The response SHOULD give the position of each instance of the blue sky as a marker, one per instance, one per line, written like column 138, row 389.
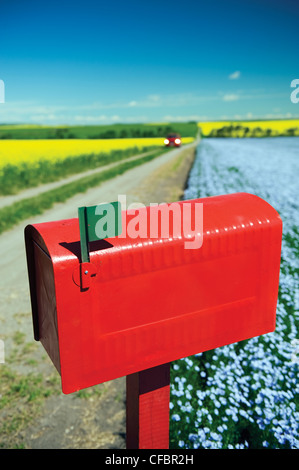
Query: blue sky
column 98, row 62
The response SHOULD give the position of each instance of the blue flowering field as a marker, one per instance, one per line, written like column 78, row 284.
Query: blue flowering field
column 245, row 395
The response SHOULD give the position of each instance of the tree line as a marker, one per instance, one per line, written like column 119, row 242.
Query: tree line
column 245, row 131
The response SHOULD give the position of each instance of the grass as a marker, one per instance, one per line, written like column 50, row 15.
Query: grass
column 23, row 394
column 29, row 163
column 19, row 337
column 29, row 207
column 113, row 131
column 20, row 402
column 15, row 177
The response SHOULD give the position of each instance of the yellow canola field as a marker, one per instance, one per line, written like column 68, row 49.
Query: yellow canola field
column 279, row 125
column 31, row 151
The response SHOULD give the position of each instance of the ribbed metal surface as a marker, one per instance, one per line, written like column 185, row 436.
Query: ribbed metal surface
column 152, row 300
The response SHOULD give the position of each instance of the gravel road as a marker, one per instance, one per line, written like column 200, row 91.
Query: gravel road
column 73, row 421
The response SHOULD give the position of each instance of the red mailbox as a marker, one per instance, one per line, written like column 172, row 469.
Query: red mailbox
column 145, row 301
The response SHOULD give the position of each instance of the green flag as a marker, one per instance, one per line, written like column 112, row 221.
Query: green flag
column 98, row 222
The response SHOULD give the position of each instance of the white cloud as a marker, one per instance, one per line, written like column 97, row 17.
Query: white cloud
column 230, row 97
column 235, row 75
column 45, row 117
column 154, row 98
column 279, row 116
column 115, row 118
column 189, row 117
column 91, row 119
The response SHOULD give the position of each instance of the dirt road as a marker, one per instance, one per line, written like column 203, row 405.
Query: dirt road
column 91, row 419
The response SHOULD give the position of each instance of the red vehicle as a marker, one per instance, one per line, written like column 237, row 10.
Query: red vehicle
column 173, row 140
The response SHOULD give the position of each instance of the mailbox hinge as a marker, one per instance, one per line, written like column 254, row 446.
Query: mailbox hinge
column 95, row 223
column 83, row 275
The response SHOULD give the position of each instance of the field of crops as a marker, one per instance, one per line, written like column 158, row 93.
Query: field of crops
column 28, row 163
column 271, row 128
column 245, row 395
column 109, row 131
column 32, row 151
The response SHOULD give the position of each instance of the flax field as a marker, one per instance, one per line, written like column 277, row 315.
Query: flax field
column 245, row 395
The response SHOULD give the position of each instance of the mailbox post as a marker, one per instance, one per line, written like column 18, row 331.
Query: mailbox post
column 107, row 303
column 147, row 407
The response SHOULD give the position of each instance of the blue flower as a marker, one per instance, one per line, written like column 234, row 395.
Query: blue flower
column 257, row 381
column 176, row 417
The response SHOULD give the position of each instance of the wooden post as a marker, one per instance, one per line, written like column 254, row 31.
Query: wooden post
column 148, row 408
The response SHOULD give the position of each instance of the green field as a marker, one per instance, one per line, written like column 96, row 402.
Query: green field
column 112, row 131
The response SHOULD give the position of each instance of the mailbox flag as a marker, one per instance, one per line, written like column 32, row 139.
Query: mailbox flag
column 98, row 222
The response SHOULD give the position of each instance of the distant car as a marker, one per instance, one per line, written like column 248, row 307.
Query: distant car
column 173, row 140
